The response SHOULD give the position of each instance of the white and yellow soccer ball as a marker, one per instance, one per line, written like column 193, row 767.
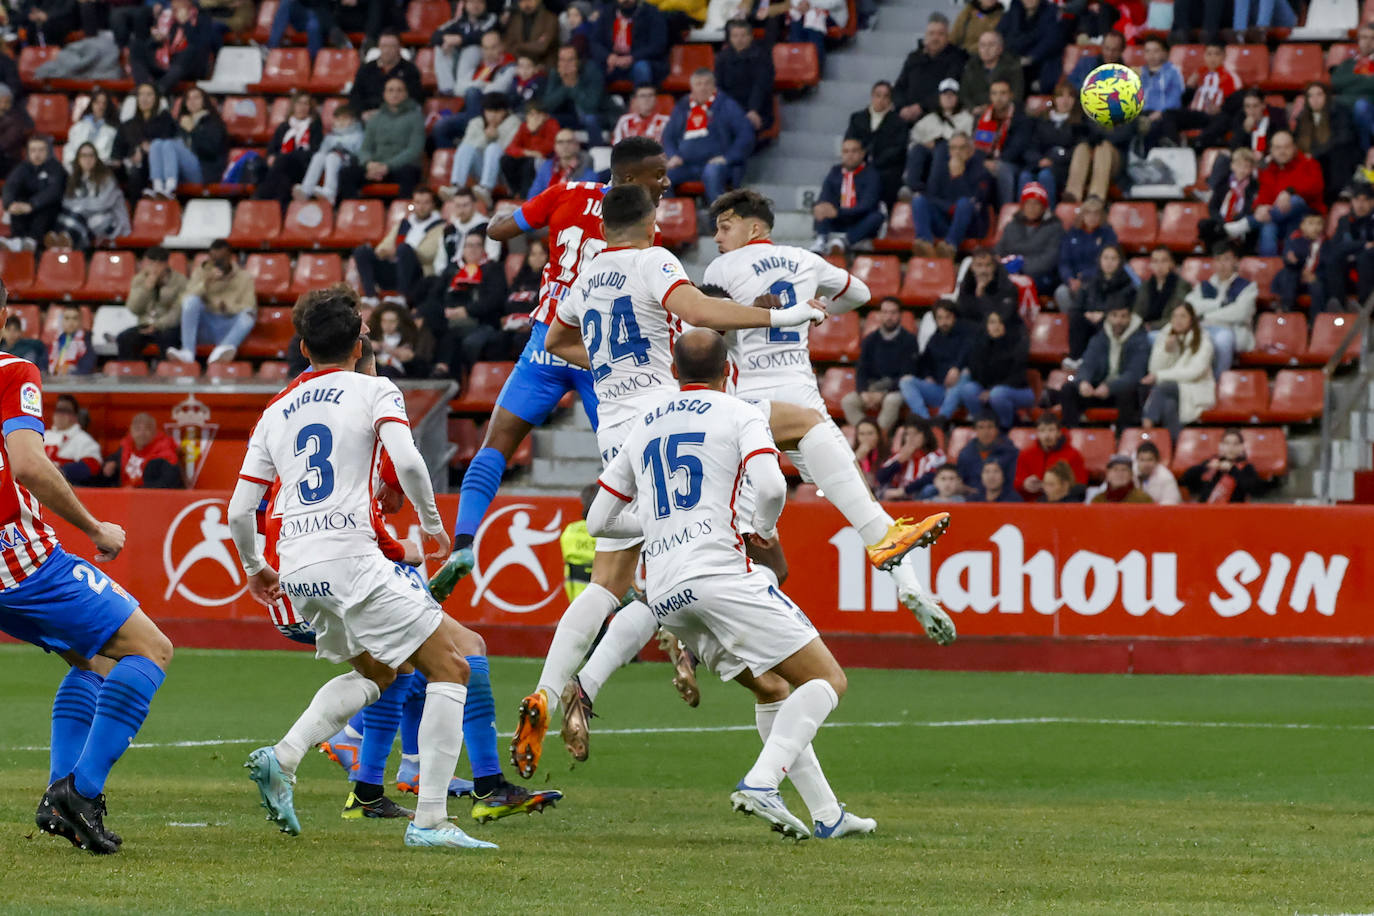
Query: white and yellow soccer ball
column 1112, row 95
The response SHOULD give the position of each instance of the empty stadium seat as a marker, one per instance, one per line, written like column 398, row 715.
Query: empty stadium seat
column 836, row 340
column 358, row 222
column 1293, row 66
column 1187, row 58
column 1178, row 226
column 1195, row 445
column 881, row 273
column 835, row 384
column 257, row 223
column 1280, row 340
column 334, row 69
column 1023, row 437
column 1267, row 449
column 245, row 117
column 271, row 274
column 1049, row 340
column 108, row 276
column 284, row 70
column 424, row 62
column 1242, row 397
column 117, row 368
column 153, row 220
column 466, row 437
column 1251, row 63
column 16, row 269
column 307, row 224
column 30, row 59
column 173, row 369
column 1096, row 446
column 1262, row 271
column 273, row 371
column 51, row 114
column 61, row 272
column 927, row 279
column 483, row 386
column 30, row 318
column 270, row 335
column 1131, row 440
column 677, row 221
column 795, row 65
column 1299, row 396
column 315, row 270
column 204, row 221
column 229, row 372
column 423, row 19
column 1328, row 330
column 1136, row 223
column 682, row 61
column 899, row 232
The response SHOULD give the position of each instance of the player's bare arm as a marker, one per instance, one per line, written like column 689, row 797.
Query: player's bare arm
column 504, row 228
column 698, row 309
column 565, row 342
column 35, row 472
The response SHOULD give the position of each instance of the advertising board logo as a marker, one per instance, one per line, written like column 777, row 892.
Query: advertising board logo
column 197, row 555
column 511, row 543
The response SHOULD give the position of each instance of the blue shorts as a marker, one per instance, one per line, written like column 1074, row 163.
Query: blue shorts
column 541, row 379
column 67, row 604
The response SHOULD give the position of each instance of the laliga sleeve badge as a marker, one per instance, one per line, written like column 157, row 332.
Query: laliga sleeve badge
column 31, row 400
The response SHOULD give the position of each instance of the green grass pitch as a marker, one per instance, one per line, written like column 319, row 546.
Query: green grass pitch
column 994, row 793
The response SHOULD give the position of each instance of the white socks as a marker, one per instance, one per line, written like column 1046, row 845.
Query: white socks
column 805, row 772
column 798, row 720
column 576, row 630
column 905, row 576
column 441, row 741
column 830, row 462
column 334, row 704
column 631, row 628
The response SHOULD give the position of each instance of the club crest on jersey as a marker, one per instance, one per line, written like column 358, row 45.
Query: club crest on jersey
column 193, row 433
column 31, row 399
column 511, row 526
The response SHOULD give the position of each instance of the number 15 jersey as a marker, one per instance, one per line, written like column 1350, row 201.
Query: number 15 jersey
column 319, row 436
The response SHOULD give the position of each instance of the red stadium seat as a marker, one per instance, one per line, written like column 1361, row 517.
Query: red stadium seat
column 334, row 69
column 61, row 272
column 1195, row 445
column 959, row 437
column 463, row 433
column 1131, row 440
column 1242, row 397
column 440, row 167
column 245, row 117
column 1299, row 396
column 796, row 65
column 16, row 269
column 1004, row 216
column 1178, row 226
column 271, row 274
column 257, row 223
column 1187, row 58
column 682, row 61
column 307, row 224
column 1338, row 52
column 1049, row 340
column 1036, row 105
column 170, row 368
column 1067, row 213
column 1073, row 52
column 484, row 385
column 1334, row 214
column 1267, row 449
column 677, row 221
column 358, row 222
column 882, row 273
column 30, row 318
column 1205, row 164
column 1196, row 270
column 229, row 373
column 1294, row 66
column 270, row 336
column 1262, row 271
column 1280, row 340
column 1133, row 56
column 900, row 232
column 1023, row 437
column 423, row 19
column 262, row 29
column 30, row 59
column 836, row 340
column 327, row 109
column 424, row 62
column 927, row 279
column 835, row 384
column 117, row 368
column 1251, row 63
column 271, row 371
column 1096, row 446
column 51, row 114
column 1136, row 223
column 153, row 221
column 315, row 270
column 1328, row 330
column 284, row 70
column 109, row 276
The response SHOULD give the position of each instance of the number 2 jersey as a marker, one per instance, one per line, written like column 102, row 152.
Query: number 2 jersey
column 684, row 459
column 572, row 211
column 319, row 437
column 25, row 539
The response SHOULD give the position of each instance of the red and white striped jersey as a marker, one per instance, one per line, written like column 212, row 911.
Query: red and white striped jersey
column 1214, row 87
column 572, row 213
column 25, row 540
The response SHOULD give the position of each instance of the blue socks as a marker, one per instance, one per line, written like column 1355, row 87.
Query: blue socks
column 380, row 721
column 479, row 720
column 72, row 711
column 119, row 713
column 357, row 723
column 480, row 483
column 411, row 711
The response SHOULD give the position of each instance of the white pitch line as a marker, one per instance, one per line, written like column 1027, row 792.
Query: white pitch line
column 949, row 723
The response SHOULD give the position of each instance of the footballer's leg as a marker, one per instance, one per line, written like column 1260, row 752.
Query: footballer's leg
column 934, row 619
column 367, row 799
column 628, row 632
column 73, row 709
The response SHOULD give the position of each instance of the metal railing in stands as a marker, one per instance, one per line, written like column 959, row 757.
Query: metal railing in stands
column 1335, row 408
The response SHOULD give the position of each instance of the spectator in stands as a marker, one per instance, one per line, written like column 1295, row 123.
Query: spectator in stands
column 1226, row 304
column 883, row 355
column 1003, row 134
column 371, row 17
column 1163, row 86
column 770, row 16
column 988, row 444
column 1198, row 16
column 397, row 342
column 468, row 310
column 1155, row 479
column 948, row 487
column 576, row 27
column 1253, row 127
column 294, row 143
column 529, row 83
column 15, row 129
column 870, row 449
column 532, row 144
column 484, row 143
column 1352, row 246
column 744, row 71
column 457, row 43
column 1162, row 290
column 1110, row 286
column 1056, row 135
column 576, row 95
column 1301, row 273
column 13, row 342
column 68, row 446
column 996, row 376
column 1050, row 448
column 1096, row 161
column 195, row 154
column 33, row 195
column 150, row 122
column 406, row 254
column 931, row 135
column 1036, row 235
column 987, row 288
column 1181, row 382
column 569, row 162
column 532, row 31
column 1059, row 486
column 146, row 459
column 464, row 219
column 954, row 205
column 177, row 48
column 848, row 212
column 1232, row 202
column 71, row 352
column 1352, row 81
column 1120, row 483
column 154, row 298
column 393, row 142
column 1212, row 85
column 313, row 17
column 492, row 71
column 916, row 456
column 1268, row 13
column 810, row 20
column 991, row 64
column 1324, row 132
column 99, row 126
column 643, row 118
column 340, row 147
column 219, row 308
column 1032, row 33
column 992, row 485
column 926, row 69
column 708, row 138
column 1116, row 360
column 1227, row 477
column 369, row 83
column 522, row 293
column 9, row 76
column 93, row 208
column 935, row 373
column 48, row 21
column 976, row 19
column 1079, row 251
column 1113, row 52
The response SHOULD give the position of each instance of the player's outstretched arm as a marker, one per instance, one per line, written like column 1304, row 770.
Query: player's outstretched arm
column 607, row 517
column 34, row 472
column 504, row 228
column 565, row 342
column 702, row 311
column 850, row 296
column 415, row 483
column 263, row 583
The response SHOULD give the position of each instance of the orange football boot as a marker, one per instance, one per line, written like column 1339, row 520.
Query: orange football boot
column 904, row 537
column 528, row 743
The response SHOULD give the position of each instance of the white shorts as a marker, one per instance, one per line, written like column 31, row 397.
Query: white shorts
column 734, row 623
column 609, row 439
column 363, row 604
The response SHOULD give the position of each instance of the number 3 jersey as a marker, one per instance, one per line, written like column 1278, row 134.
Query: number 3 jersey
column 319, row 436
column 684, row 460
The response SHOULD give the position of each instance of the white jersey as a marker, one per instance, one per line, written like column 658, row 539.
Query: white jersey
column 685, row 458
column 319, row 436
column 617, row 305
column 767, row 359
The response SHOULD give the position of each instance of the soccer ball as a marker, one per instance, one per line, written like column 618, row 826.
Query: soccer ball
column 1112, row 95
